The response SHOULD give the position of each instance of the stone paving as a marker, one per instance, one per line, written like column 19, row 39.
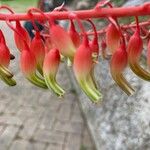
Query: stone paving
column 34, row 119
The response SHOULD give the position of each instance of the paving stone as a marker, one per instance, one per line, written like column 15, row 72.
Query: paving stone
column 2, row 107
column 70, row 127
column 12, row 108
column 29, row 111
column 47, row 136
column 55, row 147
column 77, row 117
column 7, row 137
column 1, row 129
column 11, row 120
column 28, row 128
column 64, row 113
column 87, row 141
column 47, row 120
column 73, row 142
column 25, row 145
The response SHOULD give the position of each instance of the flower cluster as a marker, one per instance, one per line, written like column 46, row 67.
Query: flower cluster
column 41, row 56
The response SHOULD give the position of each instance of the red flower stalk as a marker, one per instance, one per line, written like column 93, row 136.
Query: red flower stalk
column 112, row 38
column 28, row 67
column 118, row 64
column 74, row 34
column 38, row 48
column 62, row 41
column 50, row 68
column 134, row 50
column 18, row 40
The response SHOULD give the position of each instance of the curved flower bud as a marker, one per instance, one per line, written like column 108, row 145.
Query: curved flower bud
column 118, row 63
column 50, row 68
column 38, row 49
column 82, row 66
column 74, row 35
column 112, row 38
column 134, row 50
column 28, row 67
column 18, row 40
column 62, row 41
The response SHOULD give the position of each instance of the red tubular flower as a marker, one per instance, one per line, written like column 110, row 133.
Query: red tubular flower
column 28, row 67
column 118, row 64
column 5, row 74
column 38, row 49
column 62, row 41
column 82, row 66
column 112, row 38
column 50, row 68
column 74, row 34
column 134, row 50
column 4, row 51
column 18, row 40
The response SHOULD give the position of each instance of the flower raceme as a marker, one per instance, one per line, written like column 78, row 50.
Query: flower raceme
column 40, row 58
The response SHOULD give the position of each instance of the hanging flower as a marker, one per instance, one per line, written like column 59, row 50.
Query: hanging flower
column 118, row 64
column 134, row 50
column 62, row 41
column 50, row 68
column 74, row 34
column 38, row 49
column 112, row 38
column 17, row 37
column 28, row 68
